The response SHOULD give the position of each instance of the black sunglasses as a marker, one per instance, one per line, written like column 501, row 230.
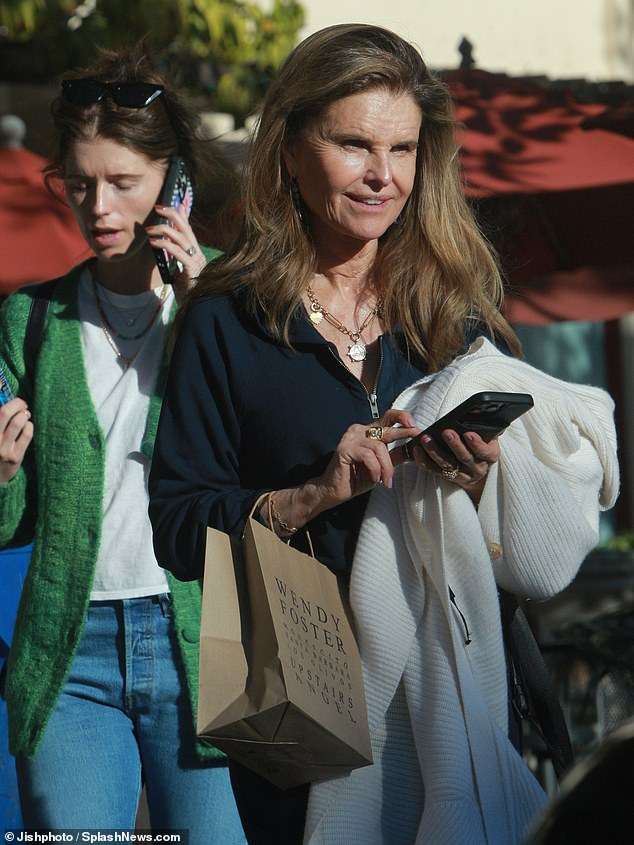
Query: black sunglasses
column 130, row 95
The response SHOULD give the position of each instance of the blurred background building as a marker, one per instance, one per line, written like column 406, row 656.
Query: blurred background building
column 583, row 39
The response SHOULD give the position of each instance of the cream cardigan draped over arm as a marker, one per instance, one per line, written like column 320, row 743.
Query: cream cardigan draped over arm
column 445, row 772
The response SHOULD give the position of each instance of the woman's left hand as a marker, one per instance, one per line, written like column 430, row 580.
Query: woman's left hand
column 178, row 239
column 469, row 468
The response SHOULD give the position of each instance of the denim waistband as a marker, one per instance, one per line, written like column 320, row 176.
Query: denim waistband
column 164, row 600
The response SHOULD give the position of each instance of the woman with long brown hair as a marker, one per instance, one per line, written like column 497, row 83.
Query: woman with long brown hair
column 359, row 269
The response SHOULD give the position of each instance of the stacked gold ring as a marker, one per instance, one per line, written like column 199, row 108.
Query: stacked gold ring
column 450, row 474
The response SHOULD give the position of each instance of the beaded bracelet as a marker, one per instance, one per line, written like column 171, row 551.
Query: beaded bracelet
column 276, row 516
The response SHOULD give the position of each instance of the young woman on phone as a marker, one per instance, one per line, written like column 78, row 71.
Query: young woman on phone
column 104, row 658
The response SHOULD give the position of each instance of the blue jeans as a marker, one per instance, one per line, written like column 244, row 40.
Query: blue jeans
column 123, row 719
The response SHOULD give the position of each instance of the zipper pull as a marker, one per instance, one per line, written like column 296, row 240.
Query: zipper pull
column 374, row 405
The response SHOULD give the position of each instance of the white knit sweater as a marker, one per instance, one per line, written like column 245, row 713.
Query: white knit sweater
column 445, row 772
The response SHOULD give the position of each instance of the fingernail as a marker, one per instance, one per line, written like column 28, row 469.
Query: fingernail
column 470, row 437
column 426, row 439
column 160, row 207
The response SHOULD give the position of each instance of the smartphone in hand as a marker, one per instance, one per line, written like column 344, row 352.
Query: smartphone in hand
column 177, row 190
column 6, row 394
column 487, row 413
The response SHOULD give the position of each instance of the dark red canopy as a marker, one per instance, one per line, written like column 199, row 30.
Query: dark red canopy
column 561, row 173
column 521, row 137
column 39, row 238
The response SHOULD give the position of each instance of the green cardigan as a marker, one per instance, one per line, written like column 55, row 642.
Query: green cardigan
column 56, row 500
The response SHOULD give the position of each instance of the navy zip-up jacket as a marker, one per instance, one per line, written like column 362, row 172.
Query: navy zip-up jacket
column 243, row 414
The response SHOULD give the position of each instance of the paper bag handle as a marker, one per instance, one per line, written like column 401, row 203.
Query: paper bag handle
column 266, row 497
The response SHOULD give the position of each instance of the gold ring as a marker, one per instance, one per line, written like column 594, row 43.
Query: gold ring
column 450, row 474
column 375, row 432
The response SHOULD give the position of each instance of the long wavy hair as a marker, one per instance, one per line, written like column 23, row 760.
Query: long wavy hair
column 434, row 268
column 169, row 126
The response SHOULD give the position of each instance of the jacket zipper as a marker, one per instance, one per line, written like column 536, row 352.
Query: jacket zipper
column 373, row 398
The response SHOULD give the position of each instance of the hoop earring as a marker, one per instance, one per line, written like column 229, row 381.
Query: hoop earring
column 296, row 199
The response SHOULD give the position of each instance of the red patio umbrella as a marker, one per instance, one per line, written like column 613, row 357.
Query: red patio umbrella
column 39, row 238
column 557, row 178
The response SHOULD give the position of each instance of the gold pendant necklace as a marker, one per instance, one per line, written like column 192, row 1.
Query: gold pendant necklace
column 357, row 350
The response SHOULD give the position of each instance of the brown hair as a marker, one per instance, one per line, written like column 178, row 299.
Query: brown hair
column 167, row 127
column 434, row 268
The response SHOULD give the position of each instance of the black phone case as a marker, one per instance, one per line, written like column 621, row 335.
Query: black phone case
column 487, row 413
column 177, row 190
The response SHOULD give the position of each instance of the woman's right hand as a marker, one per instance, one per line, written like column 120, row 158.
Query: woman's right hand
column 16, row 433
column 358, row 464
column 178, row 239
column 360, row 461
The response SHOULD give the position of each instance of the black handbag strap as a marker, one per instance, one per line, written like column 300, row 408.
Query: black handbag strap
column 42, row 295
column 543, row 706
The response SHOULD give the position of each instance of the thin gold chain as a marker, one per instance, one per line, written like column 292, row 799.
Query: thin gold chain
column 127, row 361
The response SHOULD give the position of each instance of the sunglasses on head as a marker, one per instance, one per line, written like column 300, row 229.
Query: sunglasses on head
column 131, row 95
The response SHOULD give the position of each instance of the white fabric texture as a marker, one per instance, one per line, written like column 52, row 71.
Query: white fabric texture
column 126, row 566
column 541, row 503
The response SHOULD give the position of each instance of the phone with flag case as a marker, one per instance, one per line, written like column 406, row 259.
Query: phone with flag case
column 6, row 394
column 177, row 191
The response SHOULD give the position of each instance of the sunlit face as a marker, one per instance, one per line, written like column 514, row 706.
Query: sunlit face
column 355, row 165
column 112, row 190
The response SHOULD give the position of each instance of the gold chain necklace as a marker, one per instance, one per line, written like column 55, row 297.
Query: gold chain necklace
column 110, row 327
column 357, row 351
column 125, row 360
column 106, row 328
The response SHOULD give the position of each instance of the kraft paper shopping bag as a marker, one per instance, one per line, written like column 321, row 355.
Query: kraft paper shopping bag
column 281, row 687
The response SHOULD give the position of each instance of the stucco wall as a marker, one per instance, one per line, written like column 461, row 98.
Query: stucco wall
column 591, row 39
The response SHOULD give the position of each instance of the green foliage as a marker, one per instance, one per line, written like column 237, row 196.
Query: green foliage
column 238, row 47
column 621, row 542
column 19, row 17
column 224, row 50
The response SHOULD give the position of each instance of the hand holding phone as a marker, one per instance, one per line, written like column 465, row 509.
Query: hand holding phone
column 177, row 191
column 487, row 413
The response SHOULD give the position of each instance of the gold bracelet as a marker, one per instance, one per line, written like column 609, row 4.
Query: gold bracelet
column 276, row 516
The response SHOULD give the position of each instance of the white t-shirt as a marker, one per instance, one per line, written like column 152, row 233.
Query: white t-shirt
column 126, row 566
